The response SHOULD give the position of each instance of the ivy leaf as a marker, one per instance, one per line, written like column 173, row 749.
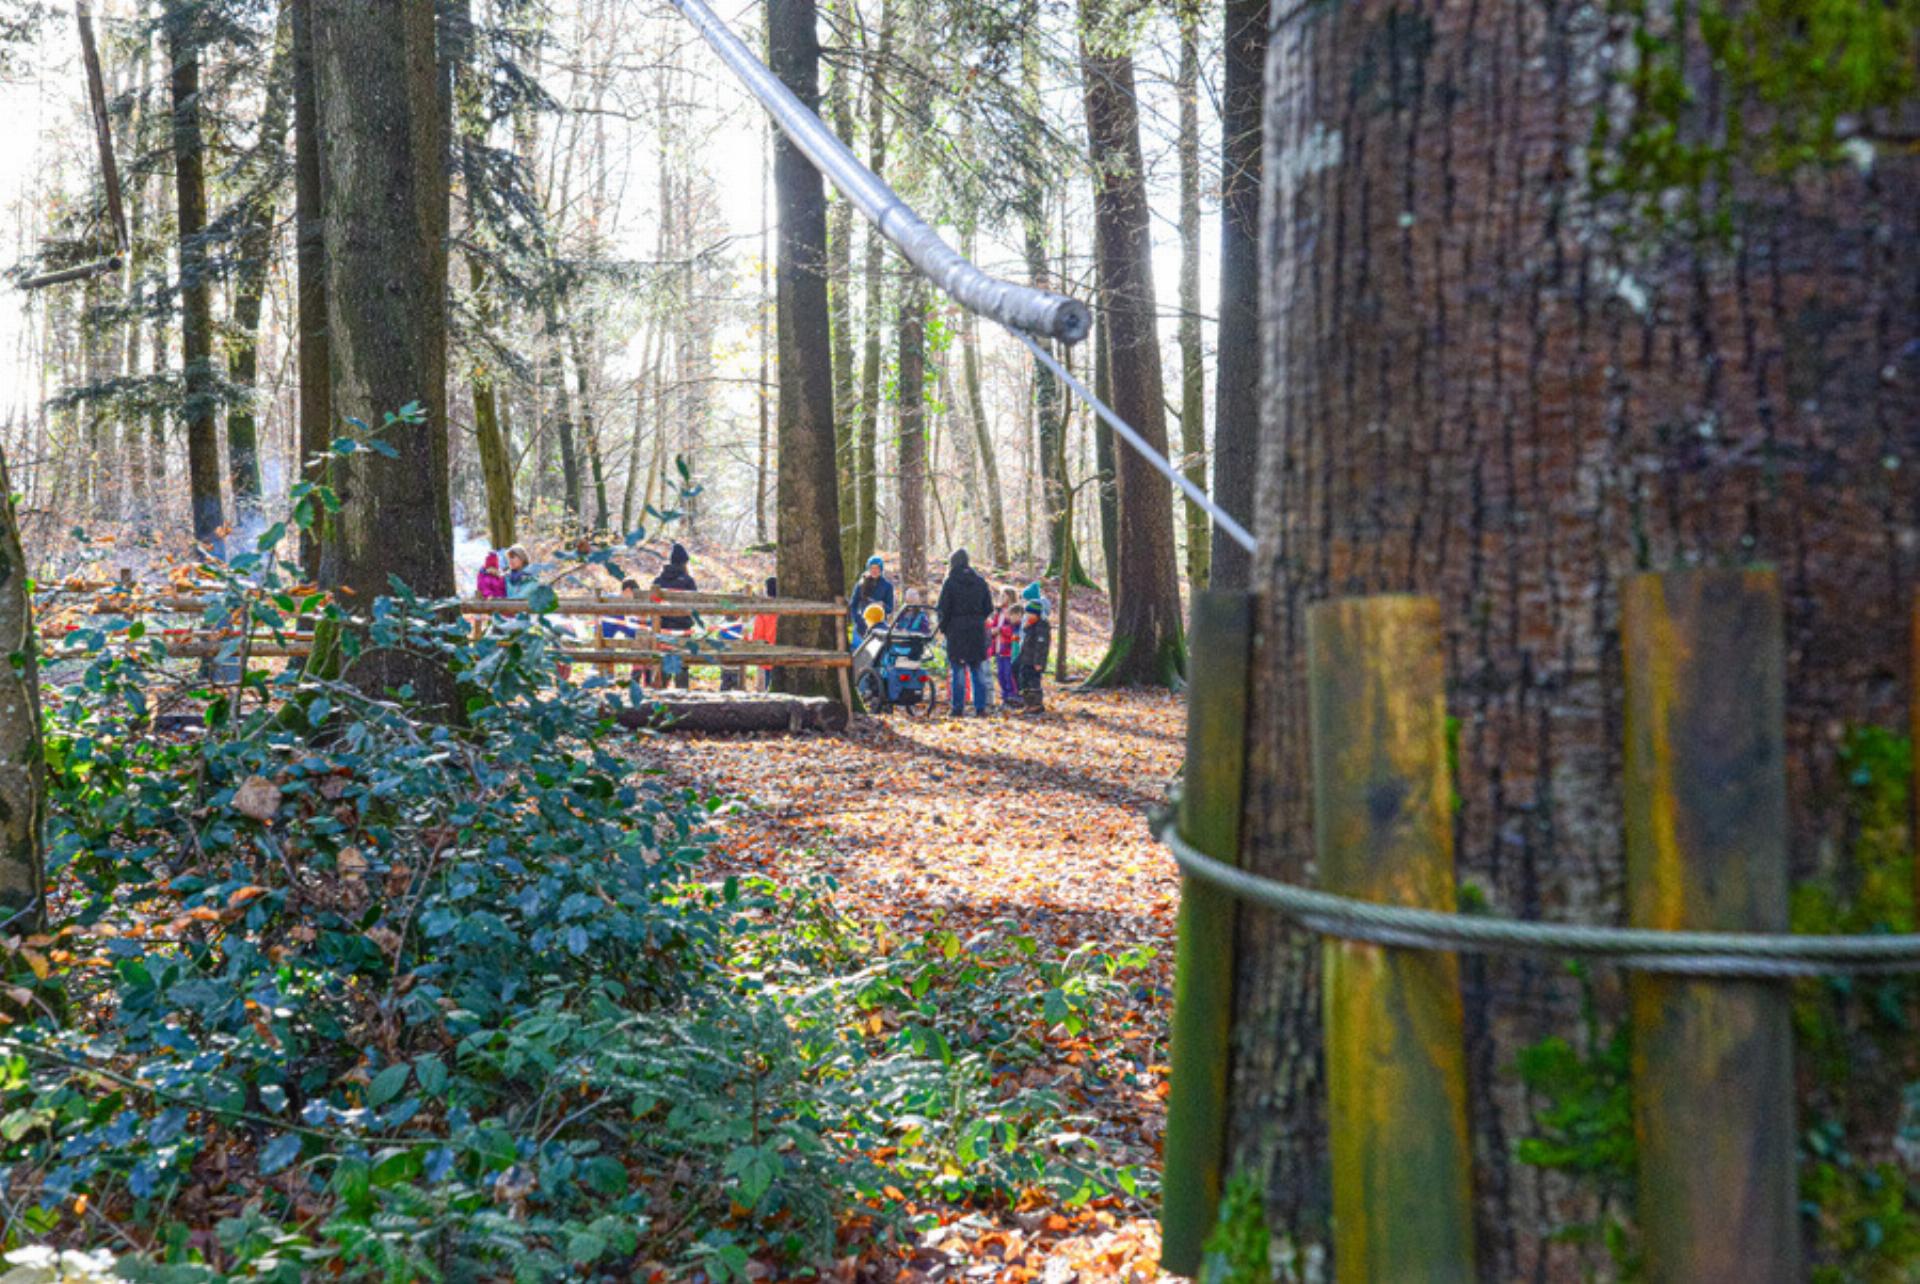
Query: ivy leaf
column 543, row 600
column 432, row 1073
column 280, row 1152
column 387, row 1084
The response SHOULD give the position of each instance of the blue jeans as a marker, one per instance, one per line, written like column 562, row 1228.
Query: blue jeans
column 960, row 675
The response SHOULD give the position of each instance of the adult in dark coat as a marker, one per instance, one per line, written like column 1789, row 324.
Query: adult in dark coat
column 965, row 603
column 674, row 575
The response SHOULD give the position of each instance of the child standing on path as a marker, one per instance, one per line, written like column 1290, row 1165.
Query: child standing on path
column 1003, row 637
column 1035, row 641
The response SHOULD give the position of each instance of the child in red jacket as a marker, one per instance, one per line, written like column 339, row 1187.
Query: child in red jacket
column 1003, row 638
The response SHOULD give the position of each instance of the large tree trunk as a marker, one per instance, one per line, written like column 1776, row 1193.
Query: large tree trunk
column 383, row 170
column 1236, row 358
column 763, row 456
column 250, row 285
column 1193, row 377
column 868, row 447
column 808, row 559
column 196, row 305
column 310, row 268
column 846, row 395
column 910, row 376
column 23, row 764
column 1147, row 649
column 1492, row 380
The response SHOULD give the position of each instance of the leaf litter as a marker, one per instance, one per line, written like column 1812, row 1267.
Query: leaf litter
column 1036, row 825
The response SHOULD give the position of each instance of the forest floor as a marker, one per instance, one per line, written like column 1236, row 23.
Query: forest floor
column 1033, row 824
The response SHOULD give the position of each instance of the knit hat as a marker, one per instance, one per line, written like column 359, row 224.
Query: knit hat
column 1037, row 608
column 875, row 561
column 874, row 613
column 678, row 556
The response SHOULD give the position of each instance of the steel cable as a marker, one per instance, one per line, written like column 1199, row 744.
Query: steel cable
column 1719, row 954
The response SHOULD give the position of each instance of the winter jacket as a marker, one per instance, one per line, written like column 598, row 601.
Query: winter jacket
column 965, row 603
column 491, row 584
column 674, row 576
column 878, row 589
column 1035, row 641
column 1003, row 635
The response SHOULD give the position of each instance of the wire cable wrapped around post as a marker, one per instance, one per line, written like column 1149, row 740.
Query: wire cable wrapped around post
column 1023, row 307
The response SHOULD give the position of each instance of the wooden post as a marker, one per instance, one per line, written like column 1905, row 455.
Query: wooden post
column 1210, row 806
column 1913, row 731
column 1396, row 1061
column 1706, row 824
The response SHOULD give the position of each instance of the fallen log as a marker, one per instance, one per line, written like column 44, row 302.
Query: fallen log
column 734, row 711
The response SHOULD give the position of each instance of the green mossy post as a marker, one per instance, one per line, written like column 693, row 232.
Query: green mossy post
column 1706, row 824
column 1383, row 831
column 1210, row 804
column 1913, row 730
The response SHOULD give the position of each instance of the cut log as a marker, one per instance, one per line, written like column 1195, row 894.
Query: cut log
column 734, row 711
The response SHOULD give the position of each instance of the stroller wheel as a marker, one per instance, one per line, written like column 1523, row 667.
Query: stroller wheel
column 872, row 695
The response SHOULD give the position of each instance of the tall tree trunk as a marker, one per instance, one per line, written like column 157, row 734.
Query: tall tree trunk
column 1107, row 489
column 1236, row 398
column 910, row 377
column 808, row 560
column 196, row 305
column 23, row 764
column 983, row 438
column 1147, row 649
column 868, row 450
column 560, row 418
column 310, row 269
column 383, row 171
column 1049, row 419
column 762, row 460
column 1473, row 394
column 968, row 464
column 840, row 300
column 581, row 337
column 489, row 431
column 1193, row 378
column 255, row 250
column 133, row 429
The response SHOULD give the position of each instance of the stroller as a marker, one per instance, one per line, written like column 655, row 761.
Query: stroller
column 889, row 664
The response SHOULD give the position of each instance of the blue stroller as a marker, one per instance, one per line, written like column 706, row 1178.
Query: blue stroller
column 890, row 664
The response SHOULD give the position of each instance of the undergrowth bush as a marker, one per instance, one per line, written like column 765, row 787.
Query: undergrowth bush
column 337, row 990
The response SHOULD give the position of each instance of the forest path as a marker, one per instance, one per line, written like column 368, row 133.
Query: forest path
column 1041, row 823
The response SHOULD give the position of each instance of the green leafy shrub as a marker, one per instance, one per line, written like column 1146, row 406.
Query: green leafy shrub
column 357, row 993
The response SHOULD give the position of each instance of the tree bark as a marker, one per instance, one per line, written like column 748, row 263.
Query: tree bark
column 1108, row 487
column 846, row 396
column 23, row 763
column 1488, row 381
column 1193, row 376
column 581, row 338
column 868, row 449
column 1236, row 398
column 910, row 376
column 1048, row 408
column 1147, row 649
column 983, row 438
column 560, row 412
column 808, row 557
column 196, row 304
column 383, row 171
column 255, row 248
column 310, row 269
